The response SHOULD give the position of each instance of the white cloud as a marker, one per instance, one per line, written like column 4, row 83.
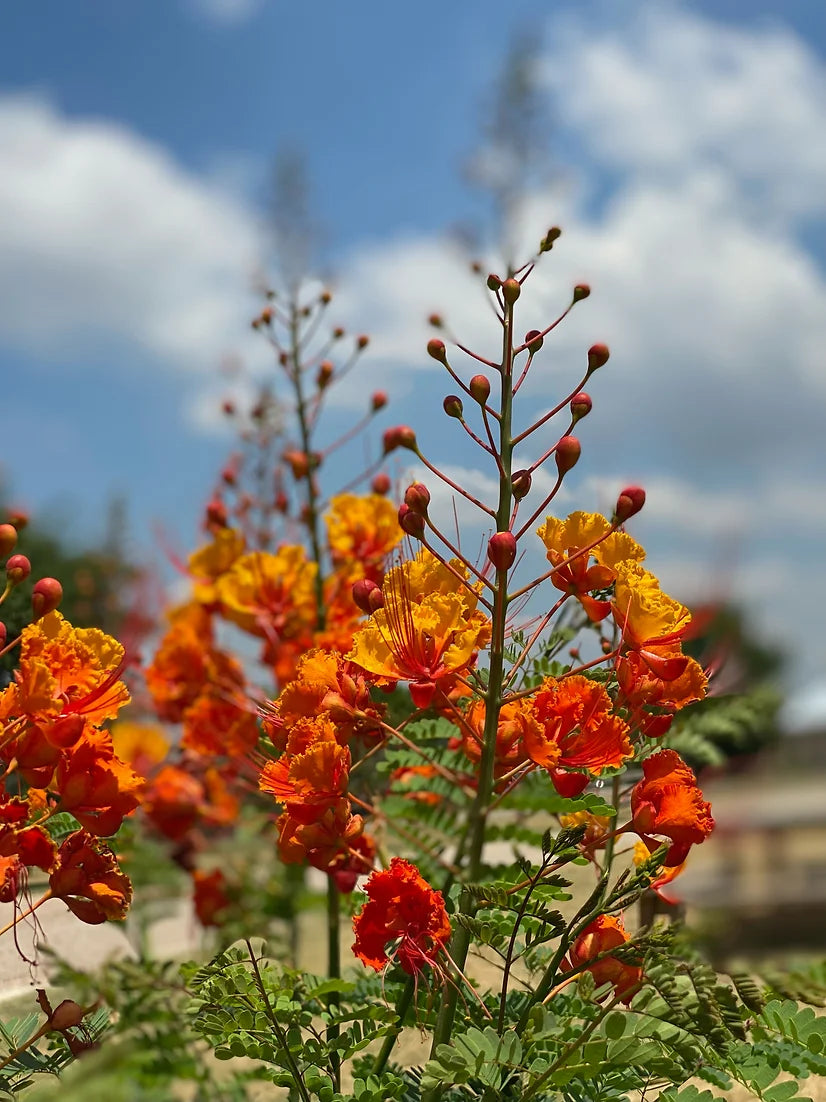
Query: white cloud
column 104, row 236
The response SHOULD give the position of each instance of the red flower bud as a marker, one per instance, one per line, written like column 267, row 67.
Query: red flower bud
column 216, row 514
column 436, row 321
column 338, row 333
column 18, row 569
column 381, row 484
column 8, row 539
column 568, row 451
column 325, row 298
column 325, row 374
column 494, row 282
column 453, row 406
column 362, row 342
column 568, row 784
column 400, row 436
column 2, row 634
column 581, row 405
column 46, row 596
column 298, row 461
column 511, row 290
column 410, row 522
column 367, row 595
column 18, row 518
column 534, row 341
column 436, row 350
column 629, row 502
column 581, row 291
column 521, row 484
column 597, row 356
column 479, row 387
column 228, row 407
column 417, row 498
column 502, row 550
column 281, row 502
column 378, row 400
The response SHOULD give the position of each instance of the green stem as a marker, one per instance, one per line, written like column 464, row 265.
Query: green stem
column 333, row 966
column 460, row 942
column 402, row 1007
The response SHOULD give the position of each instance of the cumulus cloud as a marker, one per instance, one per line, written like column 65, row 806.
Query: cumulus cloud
column 703, row 285
column 104, row 236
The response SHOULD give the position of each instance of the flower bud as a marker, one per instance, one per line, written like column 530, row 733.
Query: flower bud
column 265, row 317
column 511, row 290
column 436, row 321
column 606, row 646
column 281, row 502
column 18, row 569
column 325, row 298
column 568, row 784
column 502, row 550
column 8, row 539
column 362, row 341
column 629, row 502
column 597, row 356
column 417, row 498
column 367, row 596
column 381, row 484
column 66, row 1015
column 325, row 374
column 521, row 484
column 453, row 406
column 410, row 522
column 229, row 475
column 400, row 436
column 581, row 291
column 547, row 242
column 228, row 407
column 581, row 405
column 2, row 634
column 338, row 333
column 479, row 387
column 436, row 350
column 378, row 400
column 216, row 514
column 46, row 596
column 494, row 282
column 18, row 518
column 299, row 463
column 567, row 452
column 534, row 341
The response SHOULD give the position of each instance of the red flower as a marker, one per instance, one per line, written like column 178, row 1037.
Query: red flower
column 402, row 909
column 89, row 880
column 604, row 933
column 667, row 802
column 210, row 897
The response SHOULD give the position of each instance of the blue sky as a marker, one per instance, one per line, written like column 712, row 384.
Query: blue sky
column 689, row 145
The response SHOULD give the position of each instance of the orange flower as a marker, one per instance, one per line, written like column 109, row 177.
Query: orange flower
column 641, row 688
column 271, row 595
column 362, row 531
column 66, row 671
column 174, row 802
column 567, row 539
column 89, row 880
column 407, row 779
column 668, row 803
column 402, row 910
column 649, row 619
column 217, row 727
column 186, row 661
column 597, row 827
column 323, row 842
column 210, row 897
column 515, row 720
column 577, row 729
column 95, row 786
column 325, row 683
column 605, row 933
column 356, row 862
column 313, row 773
column 143, row 746
column 427, row 631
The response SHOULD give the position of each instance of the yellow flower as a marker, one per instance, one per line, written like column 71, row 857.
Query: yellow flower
column 212, row 560
column 427, row 631
column 362, row 531
column 270, row 594
column 644, row 614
